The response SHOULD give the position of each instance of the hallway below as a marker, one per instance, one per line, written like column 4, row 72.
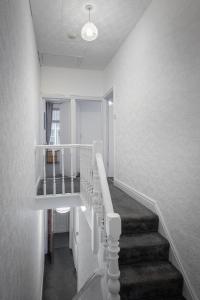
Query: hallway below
column 57, row 285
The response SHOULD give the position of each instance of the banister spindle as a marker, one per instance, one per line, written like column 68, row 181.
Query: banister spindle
column 44, row 173
column 63, row 170
column 72, row 169
column 54, row 172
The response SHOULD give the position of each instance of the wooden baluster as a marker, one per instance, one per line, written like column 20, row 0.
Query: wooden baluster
column 85, row 178
column 54, row 172
column 113, row 227
column 72, row 169
column 63, row 170
column 44, row 172
column 90, row 175
column 81, row 170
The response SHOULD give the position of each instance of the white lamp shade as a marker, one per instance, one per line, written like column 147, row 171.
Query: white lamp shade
column 89, row 32
column 83, row 208
column 62, row 210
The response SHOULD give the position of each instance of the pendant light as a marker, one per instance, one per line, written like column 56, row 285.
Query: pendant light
column 62, row 210
column 89, row 31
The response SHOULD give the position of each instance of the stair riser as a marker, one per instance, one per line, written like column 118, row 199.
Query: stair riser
column 152, row 292
column 143, row 254
column 134, row 227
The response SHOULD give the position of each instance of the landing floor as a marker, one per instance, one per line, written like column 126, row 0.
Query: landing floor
column 60, row 281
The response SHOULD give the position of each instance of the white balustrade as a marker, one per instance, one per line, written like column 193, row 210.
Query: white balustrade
column 95, row 194
column 106, row 225
column 65, row 168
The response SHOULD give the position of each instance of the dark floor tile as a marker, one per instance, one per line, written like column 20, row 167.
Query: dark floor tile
column 61, row 240
column 57, row 285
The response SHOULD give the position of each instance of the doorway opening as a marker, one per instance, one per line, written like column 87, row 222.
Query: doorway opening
column 59, row 262
column 89, row 123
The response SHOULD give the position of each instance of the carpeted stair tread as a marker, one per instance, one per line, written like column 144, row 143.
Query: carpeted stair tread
column 126, row 205
column 145, row 272
column 139, row 224
column 149, row 272
column 176, row 298
column 143, row 247
column 171, row 298
column 164, row 298
column 135, row 217
column 150, row 281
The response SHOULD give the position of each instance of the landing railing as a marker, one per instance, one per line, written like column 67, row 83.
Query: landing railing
column 94, row 192
column 63, row 158
column 105, row 224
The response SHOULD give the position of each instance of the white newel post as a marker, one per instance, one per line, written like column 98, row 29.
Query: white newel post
column 113, row 228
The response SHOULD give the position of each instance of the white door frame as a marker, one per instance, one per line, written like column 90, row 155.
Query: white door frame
column 107, row 96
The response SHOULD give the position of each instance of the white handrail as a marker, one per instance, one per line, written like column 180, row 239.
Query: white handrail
column 104, row 184
column 105, row 223
column 64, row 146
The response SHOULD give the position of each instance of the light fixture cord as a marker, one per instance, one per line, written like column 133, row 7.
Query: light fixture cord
column 89, row 14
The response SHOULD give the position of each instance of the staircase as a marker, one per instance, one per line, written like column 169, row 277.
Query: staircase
column 145, row 271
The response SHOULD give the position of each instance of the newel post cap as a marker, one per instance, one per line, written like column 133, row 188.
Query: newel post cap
column 113, row 225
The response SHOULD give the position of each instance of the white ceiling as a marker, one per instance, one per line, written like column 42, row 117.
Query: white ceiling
column 55, row 19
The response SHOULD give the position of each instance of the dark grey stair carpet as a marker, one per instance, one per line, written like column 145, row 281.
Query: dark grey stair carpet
column 143, row 247
column 146, row 273
column 179, row 298
column 150, row 281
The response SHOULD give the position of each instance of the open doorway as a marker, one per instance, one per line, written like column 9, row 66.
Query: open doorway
column 57, row 129
column 60, row 279
column 89, row 123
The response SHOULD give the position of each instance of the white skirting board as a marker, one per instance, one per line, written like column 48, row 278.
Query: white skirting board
column 174, row 257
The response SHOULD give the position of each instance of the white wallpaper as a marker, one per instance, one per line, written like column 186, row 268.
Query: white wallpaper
column 21, row 228
column 85, row 255
column 66, row 81
column 155, row 75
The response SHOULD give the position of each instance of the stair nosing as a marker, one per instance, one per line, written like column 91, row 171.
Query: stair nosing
column 163, row 241
column 137, row 266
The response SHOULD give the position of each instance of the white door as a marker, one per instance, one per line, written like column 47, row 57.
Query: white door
column 60, row 222
column 90, row 121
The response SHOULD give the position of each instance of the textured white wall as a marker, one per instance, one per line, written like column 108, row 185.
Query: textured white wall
column 21, row 228
column 63, row 81
column 85, row 255
column 156, row 75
